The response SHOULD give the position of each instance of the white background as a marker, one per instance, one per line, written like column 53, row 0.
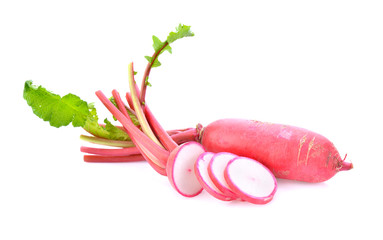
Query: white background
column 313, row 64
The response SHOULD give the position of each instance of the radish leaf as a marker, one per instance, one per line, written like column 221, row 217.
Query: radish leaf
column 58, row 111
column 159, row 46
column 181, row 31
column 61, row 111
column 114, row 132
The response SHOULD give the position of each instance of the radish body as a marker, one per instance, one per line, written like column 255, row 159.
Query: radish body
column 201, row 170
column 250, row 180
column 289, row 152
column 180, row 169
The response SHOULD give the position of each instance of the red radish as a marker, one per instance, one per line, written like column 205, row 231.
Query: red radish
column 289, row 152
column 250, row 180
column 201, row 170
column 180, row 168
column 216, row 170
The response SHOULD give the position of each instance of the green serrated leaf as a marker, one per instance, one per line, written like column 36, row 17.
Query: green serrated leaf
column 131, row 115
column 181, row 32
column 156, row 63
column 158, row 45
column 147, row 83
column 58, row 111
column 115, row 133
column 61, row 111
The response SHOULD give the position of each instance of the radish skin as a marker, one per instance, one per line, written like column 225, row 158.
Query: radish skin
column 250, row 180
column 289, row 152
column 216, row 170
column 180, row 169
column 201, row 170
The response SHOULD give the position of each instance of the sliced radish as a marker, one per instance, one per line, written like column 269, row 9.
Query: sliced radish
column 200, row 168
column 216, row 170
column 250, row 180
column 180, row 168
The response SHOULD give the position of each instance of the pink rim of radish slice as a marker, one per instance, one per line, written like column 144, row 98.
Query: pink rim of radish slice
column 250, row 180
column 180, row 169
column 201, row 171
column 216, row 170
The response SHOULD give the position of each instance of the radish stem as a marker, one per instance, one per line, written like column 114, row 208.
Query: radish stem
column 147, row 72
column 185, row 136
column 138, row 136
column 108, row 159
column 110, row 152
column 164, row 137
column 138, row 109
column 129, row 99
column 107, row 142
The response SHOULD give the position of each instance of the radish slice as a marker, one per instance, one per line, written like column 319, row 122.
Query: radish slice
column 200, row 168
column 216, row 170
column 180, row 168
column 250, row 180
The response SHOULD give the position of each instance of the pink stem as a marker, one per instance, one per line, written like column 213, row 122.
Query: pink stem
column 160, row 132
column 120, row 104
column 109, row 159
column 147, row 72
column 185, row 136
column 129, row 99
column 139, row 137
column 110, row 152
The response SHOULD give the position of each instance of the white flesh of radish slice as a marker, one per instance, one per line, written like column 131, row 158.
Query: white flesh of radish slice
column 203, row 177
column 216, row 170
column 250, row 180
column 180, row 168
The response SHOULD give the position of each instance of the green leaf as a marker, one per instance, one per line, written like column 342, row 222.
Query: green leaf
column 147, row 83
column 131, row 115
column 156, row 63
column 158, row 45
column 58, row 111
column 115, row 133
column 181, row 32
column 61, row 111
column 108, row 132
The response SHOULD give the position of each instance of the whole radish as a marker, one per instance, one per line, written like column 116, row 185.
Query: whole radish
column 289, row 152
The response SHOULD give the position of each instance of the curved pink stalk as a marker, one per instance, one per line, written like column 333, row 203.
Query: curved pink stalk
column 158, row 130
column 120, row 104
column 163, row 136
column 147, row 72
column 161, row 155
column 129, row 99
column 138, row 108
